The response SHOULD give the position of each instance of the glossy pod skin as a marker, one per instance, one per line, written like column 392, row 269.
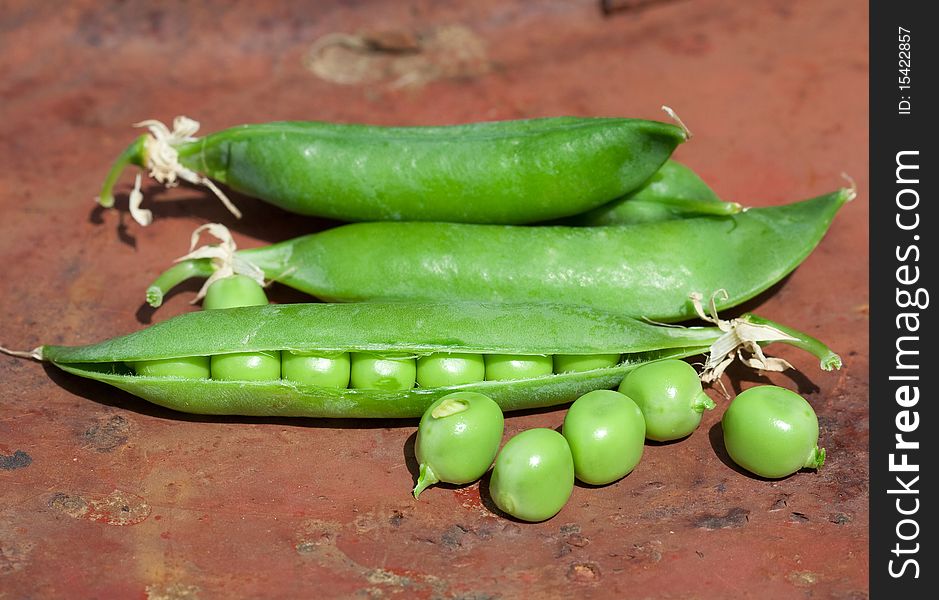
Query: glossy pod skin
column 642, row 270
column 673, row 192
column 394, row 328
column 492, row 172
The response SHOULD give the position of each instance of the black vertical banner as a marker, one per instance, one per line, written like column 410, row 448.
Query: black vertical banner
column 904, row 262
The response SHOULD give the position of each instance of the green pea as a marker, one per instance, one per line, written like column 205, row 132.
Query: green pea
column 388, row 372
column 442, row 370
column 457, row 439
column 329, row 370
column 772, row 432
column 533, row 476
column 577, row 363
column 246, row 366
column 670, row 396
column 194, row 367
column 606, row 433
column 501, row 367
column 237, row 290
column 231, row 292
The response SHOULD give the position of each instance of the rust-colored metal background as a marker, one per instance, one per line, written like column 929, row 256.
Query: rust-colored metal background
column 105, row 496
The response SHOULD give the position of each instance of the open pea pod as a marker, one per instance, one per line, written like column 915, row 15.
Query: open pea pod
column 395, row 329
column 642, row 270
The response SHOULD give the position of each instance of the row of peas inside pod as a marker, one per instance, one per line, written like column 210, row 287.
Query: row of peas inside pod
column 768, row 430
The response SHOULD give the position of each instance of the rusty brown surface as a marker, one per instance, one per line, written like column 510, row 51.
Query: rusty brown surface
column 104, row 496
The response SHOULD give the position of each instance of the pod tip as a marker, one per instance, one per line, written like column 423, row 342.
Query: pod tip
column 831, row 362
column 35, row 354
column 674, row 116
column 154, row 296
column 851, row 190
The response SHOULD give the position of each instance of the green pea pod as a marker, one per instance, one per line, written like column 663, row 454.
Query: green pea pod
column 496, row 172
column 392, row 328
column 641, row 270
column 673, row 192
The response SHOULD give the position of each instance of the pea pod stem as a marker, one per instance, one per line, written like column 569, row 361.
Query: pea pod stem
column 828, row 360
column 134, row 154
column 425, row 479
column 749, row 333
column 703, row 402
column 816, row 458
column 175, row 275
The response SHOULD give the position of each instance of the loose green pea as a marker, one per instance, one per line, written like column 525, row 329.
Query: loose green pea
column 606, row 433
column 772, row 432
column 237, row 290
column 457, row 439
column 533, row 476
column 313, row 368
column 670, row 396
column 246, row 366
column 194, row 367
column 442, row 370
column 501, row 367
column 387, row 372
column 576, row 363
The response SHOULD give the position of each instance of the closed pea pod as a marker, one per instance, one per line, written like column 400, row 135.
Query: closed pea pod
column 643, row 270
column 497, row 172
column 673, row 192
column 414, row 329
